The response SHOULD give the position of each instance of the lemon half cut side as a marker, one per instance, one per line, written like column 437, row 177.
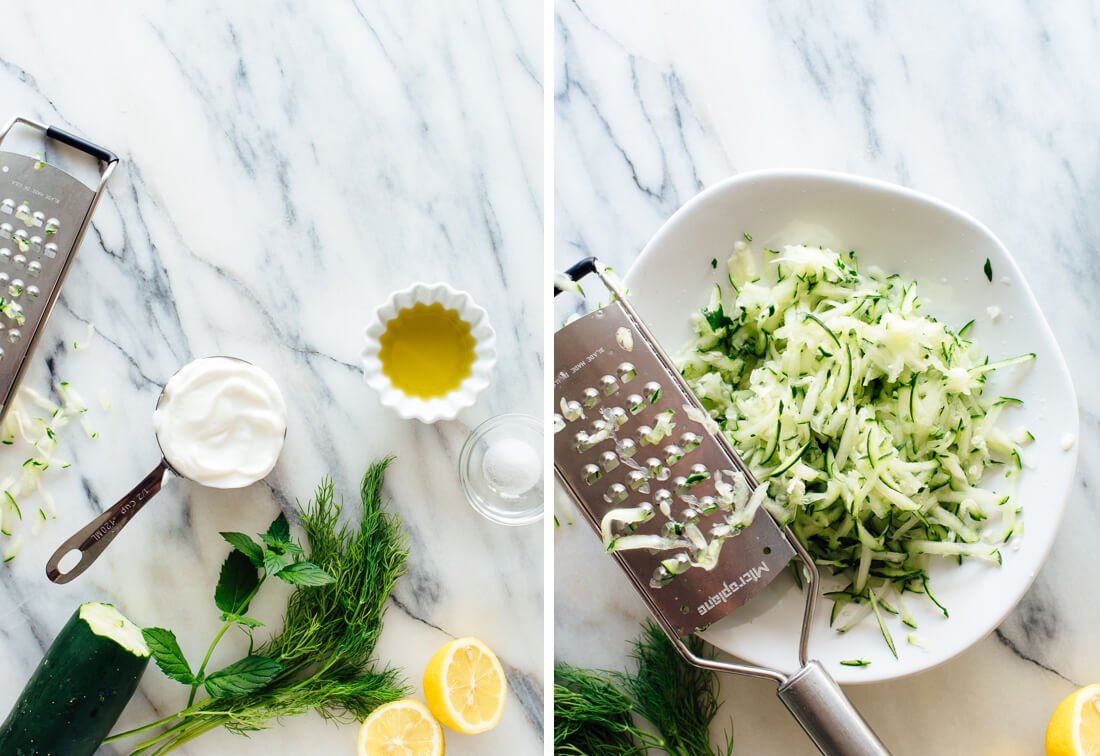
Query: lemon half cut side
column 401, row 728
column 465, row 686
column 1074, row 729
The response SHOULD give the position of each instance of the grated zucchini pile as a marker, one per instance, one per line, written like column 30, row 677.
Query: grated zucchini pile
column 867, row 419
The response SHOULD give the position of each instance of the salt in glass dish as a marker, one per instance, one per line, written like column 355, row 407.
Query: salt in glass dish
column 491, row 502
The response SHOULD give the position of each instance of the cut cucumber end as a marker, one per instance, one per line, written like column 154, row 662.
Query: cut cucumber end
column 107, row 622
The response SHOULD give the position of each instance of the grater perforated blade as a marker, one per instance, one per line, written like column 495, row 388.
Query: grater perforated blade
column 617, row 447
column 44, row 214
column 618, row 395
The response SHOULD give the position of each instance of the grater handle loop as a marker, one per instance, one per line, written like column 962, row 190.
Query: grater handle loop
column 80, row 143
column 93, row 538
column 715, row 665
column 826, row 714
column 579, row 270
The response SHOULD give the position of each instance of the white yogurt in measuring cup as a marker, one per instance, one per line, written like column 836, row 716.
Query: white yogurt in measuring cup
column 221, row 422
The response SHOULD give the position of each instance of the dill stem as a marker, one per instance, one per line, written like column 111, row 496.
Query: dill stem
column 143, row 728
column 169, row 733
column 192, row 723
column 188, row 733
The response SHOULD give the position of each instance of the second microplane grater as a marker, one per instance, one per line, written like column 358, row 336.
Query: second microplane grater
column 612, row 385
column 44, row 214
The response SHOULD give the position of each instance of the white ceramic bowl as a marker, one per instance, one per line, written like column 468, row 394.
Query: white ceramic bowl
column 944, row 250
column 485, row 355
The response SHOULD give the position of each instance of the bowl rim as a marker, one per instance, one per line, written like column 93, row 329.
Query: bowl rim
column 446, row 407
column 744, row 182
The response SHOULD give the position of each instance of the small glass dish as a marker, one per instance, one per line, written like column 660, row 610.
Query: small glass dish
column 489, row 498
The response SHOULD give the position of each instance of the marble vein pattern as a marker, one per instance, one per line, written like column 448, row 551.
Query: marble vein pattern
column 285, row 167
column 994, row 110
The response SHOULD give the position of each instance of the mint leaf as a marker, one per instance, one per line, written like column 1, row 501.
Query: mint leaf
column 244, row 676
column 236, row 584
column 240, row 619
column 274, row 544
column 279, row 532
column 167, row 654
column 274, row 562
column 246, row 546
column 304, row 573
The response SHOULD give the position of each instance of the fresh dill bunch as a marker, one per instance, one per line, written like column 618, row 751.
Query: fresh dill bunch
column 325, row 651
column 351, row 698
column 594, row 717
column 680, row 699
column 343, row 621
column 596, row 712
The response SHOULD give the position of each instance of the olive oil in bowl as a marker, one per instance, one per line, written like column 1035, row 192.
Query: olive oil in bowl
column 426, row 351
column 430, row 350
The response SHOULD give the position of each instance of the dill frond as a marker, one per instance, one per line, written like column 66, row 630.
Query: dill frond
column 348, row 700
column 596, row 712
column 594, row 717
column 679, row 698
column 344, row 620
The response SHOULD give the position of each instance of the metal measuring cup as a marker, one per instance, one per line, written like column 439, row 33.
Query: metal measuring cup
column 90, row 541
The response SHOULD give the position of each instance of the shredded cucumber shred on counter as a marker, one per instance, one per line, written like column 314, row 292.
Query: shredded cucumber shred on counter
column 867, row 421
column 34, row 425
column 563, row 282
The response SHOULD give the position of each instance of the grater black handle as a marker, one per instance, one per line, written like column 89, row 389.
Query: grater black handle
column 578, row 271
column 79, row 143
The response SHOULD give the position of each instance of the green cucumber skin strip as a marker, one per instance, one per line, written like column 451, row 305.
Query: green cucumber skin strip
column 74, row 697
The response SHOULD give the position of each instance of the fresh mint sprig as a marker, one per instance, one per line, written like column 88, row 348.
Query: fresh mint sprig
column 245, row 569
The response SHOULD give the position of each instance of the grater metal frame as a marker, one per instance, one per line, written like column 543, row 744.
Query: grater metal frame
column 107, row 162
column 592, row 266
column 810, row 694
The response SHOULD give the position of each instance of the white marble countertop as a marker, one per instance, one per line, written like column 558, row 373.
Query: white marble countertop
column 282, row 172
column 991, row 110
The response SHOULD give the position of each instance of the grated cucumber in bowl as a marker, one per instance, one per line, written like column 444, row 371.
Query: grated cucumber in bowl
column 867, row 419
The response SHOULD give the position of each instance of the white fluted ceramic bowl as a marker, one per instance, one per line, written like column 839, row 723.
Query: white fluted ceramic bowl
column 485, row 354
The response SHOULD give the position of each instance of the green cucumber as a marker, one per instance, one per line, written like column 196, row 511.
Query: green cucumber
column 80, row 687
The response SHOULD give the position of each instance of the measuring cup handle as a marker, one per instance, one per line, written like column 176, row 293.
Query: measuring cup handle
column 826, row 714
column 93, row 538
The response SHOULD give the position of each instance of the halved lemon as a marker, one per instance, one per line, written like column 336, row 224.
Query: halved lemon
column 401, row 728
column 1074, row 729
column 465, row 686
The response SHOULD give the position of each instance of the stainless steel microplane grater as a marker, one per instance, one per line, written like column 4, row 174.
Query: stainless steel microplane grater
column 612, row 381
column 44, row 213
